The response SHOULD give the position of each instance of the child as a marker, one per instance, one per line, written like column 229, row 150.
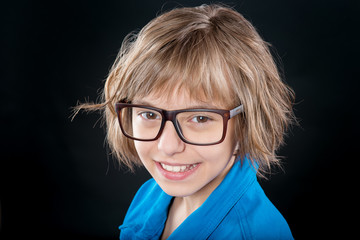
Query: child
column 196, row 98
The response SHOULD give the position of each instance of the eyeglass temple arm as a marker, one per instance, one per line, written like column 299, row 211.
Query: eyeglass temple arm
column 236, row 111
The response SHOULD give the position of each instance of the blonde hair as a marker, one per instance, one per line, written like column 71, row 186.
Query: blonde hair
column 212, row 52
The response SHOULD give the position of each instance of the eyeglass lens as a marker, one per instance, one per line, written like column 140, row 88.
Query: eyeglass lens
column 196, row 127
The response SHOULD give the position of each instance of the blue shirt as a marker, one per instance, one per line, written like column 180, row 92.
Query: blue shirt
column 237, row 209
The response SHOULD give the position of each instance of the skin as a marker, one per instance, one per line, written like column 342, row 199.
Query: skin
column 214, row 161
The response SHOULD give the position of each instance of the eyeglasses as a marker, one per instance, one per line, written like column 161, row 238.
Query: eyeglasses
column 194, row 126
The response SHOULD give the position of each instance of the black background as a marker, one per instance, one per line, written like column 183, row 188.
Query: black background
column 56, row 178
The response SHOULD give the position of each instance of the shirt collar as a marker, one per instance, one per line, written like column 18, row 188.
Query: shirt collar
column 220, row 201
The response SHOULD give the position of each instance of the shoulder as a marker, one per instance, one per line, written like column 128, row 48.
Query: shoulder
column 148, row 195
column 255, row 217
column 264, row 219
column 148, row 189
column 147, row 212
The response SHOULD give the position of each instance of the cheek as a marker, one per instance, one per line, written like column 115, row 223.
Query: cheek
column 143, row 150
column 228, row 145
column 220, row 153
column 217, row 154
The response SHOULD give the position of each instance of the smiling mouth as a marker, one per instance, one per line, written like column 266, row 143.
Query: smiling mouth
column 177, row 169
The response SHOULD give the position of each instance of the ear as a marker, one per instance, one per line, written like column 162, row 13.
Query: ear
column 236, row 149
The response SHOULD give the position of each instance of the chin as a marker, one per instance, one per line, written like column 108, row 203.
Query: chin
column 177, row 189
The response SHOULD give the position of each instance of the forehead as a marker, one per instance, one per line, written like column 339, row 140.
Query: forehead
column 179, row 100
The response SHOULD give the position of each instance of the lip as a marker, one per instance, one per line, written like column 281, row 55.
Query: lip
column 176, row 176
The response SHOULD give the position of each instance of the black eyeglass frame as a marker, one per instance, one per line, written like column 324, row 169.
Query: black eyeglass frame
column 171, row 116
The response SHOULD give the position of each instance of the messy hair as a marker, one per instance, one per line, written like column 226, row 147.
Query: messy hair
column 212, row 52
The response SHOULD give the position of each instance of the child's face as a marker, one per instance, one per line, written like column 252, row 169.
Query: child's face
column 205, row 166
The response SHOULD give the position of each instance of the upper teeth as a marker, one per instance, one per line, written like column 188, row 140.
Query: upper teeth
column 181, row 168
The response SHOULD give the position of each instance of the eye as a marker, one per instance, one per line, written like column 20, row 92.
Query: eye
column 149, row 115
column 200, row 119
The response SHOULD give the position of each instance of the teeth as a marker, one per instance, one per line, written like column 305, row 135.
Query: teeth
column 182, row 168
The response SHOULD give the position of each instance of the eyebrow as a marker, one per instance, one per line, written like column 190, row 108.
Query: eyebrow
column 203, row 106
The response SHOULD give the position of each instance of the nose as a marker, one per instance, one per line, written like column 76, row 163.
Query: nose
column 169, row 141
